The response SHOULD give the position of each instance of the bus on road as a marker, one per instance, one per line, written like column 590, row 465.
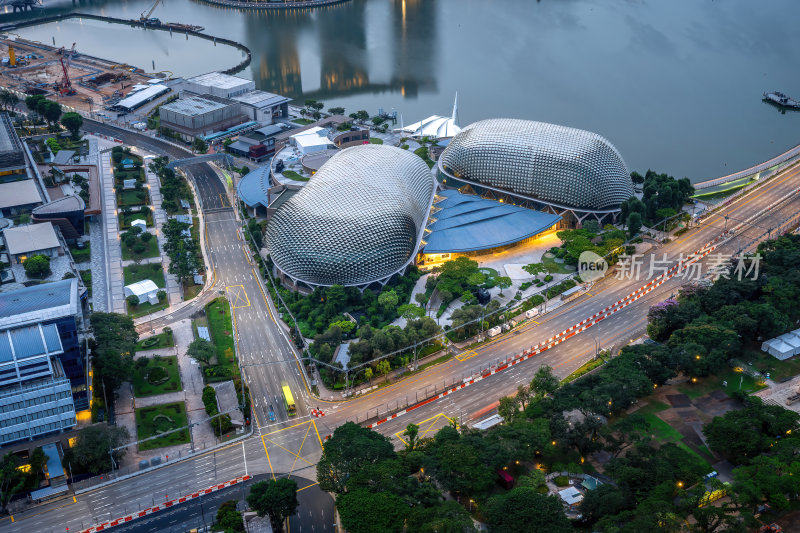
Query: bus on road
column 288, row 399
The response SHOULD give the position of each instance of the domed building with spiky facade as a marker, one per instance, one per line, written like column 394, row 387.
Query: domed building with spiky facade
column 574, row 173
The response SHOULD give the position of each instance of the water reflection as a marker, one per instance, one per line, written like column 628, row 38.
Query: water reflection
column 415, row 30
column 343, row 50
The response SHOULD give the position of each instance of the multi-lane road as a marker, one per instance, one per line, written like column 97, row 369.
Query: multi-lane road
column 292, row 444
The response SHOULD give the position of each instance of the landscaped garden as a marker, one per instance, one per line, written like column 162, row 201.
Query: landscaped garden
column 152, row 271
column 140, row 248
column 132, row 197
column 156, row 375
column 220, row 327
column 158, row 419
column 162, row 340
column 126, row 218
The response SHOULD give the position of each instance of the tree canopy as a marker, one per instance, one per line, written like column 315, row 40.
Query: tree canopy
column 274, row 498
column 350, row 449
column 524, row 509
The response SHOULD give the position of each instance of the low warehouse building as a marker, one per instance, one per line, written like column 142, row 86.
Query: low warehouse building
column 219, row 84
column 201, row 115
column 33, row 239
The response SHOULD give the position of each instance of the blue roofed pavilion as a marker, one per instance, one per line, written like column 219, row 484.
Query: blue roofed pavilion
column 467, row 223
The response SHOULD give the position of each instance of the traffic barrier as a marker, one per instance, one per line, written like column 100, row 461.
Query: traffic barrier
column 570, row 332
column 166, row 505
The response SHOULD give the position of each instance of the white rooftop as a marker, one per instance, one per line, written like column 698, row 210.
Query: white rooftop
column 218, row 79
column 260, row 99
column 134, row 99
column 31, row 238
column 18, row 193
column 571, row 495
column 142, row 288
column 434, row 126
column 312, row 139
column 196, row 105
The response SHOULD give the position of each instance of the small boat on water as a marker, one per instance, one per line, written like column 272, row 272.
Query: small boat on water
column 782, row 100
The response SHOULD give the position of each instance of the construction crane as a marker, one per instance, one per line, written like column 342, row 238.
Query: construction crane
column 64, row 87
column 145, row 17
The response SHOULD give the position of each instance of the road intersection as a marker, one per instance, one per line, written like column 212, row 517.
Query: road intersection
column 292, row 445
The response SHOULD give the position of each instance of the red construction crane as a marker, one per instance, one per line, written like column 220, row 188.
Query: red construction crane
column 64, row 87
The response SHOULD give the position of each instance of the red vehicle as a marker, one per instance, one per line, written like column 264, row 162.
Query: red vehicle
column 506, row 480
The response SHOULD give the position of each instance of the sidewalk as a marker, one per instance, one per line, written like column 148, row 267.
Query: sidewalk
column 111, row 231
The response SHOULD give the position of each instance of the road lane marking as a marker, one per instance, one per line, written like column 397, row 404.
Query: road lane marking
column 268, row 459
column 463, row 356
column 308, row 486
column 308, row 429
column 238, row 296
column 423, row 432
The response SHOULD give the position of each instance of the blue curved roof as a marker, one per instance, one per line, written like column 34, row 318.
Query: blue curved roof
column 253, row 188
column 466, row 223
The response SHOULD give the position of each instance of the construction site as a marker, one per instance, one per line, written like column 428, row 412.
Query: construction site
column 72, row 79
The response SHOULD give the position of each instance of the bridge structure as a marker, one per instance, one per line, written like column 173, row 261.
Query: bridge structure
column 755, row 172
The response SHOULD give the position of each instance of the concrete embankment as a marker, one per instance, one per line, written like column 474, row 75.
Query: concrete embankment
column 275, row 5
column 135, row 23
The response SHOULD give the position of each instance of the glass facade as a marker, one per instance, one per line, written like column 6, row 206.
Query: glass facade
column 359, row 219
column 561, row 166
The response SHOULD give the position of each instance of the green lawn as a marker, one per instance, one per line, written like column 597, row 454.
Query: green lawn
column 661, row 430
column 131, row 174
column 586, row 367
column 158, row 419
column 220, row 328
column 191, row 291
column 145, row 384
column 162, row 340
column 81, row 255
column 375, row 140
column 292, row 175
column 130, row 198
column 129, row 255
column 125, row 219
column 145, row 308
column 777, row 369
column 303, row 121
column 687, row 449
column 653, row 406
column 703, row 386
column 153, row 271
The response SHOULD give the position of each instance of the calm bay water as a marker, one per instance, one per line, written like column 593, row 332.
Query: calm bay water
column 676, row 85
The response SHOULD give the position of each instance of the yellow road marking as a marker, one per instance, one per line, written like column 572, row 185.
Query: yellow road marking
column 463, row 356
column 317, row 430
column 263, row 295
column 433, row 420
column 271, row 471
column 308, row 486
column 301, row 449
column 290, row 427
column 239, row 296
column 246, row 255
